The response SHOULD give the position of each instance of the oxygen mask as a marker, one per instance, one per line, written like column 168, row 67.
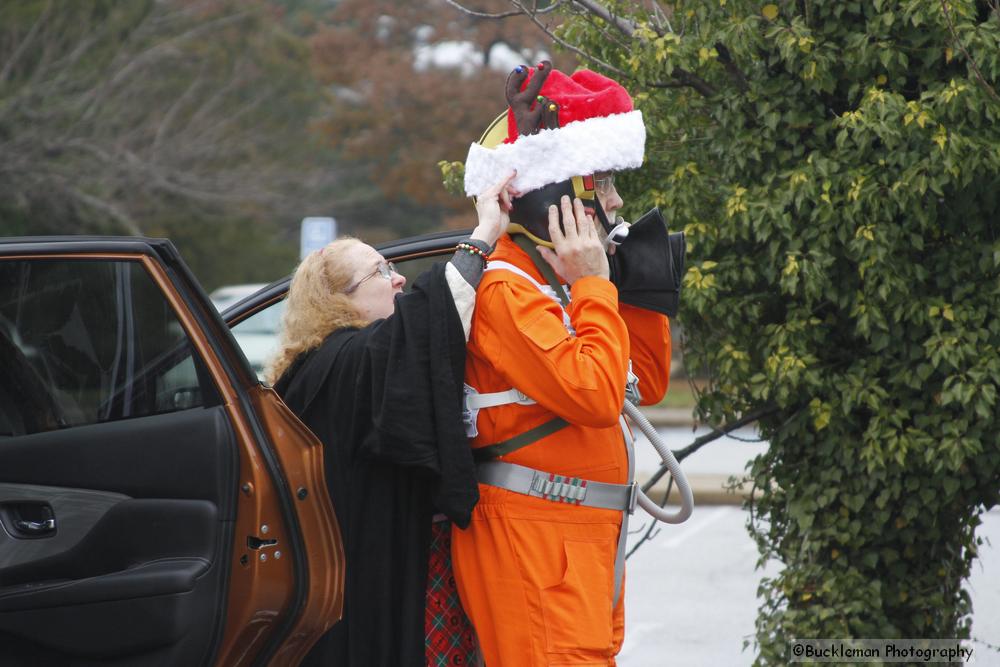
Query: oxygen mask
column 648, row 263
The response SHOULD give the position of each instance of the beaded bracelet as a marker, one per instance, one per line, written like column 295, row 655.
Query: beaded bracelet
column 473, row 250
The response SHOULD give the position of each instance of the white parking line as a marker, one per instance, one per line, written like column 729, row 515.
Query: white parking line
column 697, row 526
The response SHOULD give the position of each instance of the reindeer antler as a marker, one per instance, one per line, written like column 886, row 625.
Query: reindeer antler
column 532, row 111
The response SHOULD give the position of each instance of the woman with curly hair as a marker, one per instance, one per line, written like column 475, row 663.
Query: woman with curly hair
column 377, row 375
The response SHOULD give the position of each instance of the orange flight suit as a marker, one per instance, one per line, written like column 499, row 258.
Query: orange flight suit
column 536, row 577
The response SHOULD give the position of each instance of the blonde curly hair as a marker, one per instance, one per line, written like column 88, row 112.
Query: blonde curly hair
column 317, row 305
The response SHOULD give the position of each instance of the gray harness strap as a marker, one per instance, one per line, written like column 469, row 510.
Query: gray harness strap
column 557, row 488
column 572, row 490
column 559, row 296
column 543, row 430
column 528, row 246
column 623, row 535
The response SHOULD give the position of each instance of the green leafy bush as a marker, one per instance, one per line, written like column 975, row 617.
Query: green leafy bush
column 836, row 167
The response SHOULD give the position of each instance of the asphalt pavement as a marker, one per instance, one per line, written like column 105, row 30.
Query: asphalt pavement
column 691, row 593
column 691, row 589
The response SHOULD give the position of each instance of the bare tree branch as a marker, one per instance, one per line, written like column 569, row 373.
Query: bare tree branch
column 628, row 28
column 226, row 120
column 100, row 92
column 566, row 44
column 80, row 145
column 701, row 441
column 218, row 135
column 608, row 35
column 597, row 9
column 669, row 84
column 23, row 46
column 65, row 65
column 653, row 529
column 166, row 123
column 734, row 72
column 207, row 108
column 661, row 16
column 154, row 51
column 487, row 15
column 689, row 80
column 109, row 209
column 683, row 78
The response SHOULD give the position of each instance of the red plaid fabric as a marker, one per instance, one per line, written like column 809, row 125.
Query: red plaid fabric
column 449, row 637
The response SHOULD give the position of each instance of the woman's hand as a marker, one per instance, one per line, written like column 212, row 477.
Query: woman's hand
column 579, row 251
column 493, row 207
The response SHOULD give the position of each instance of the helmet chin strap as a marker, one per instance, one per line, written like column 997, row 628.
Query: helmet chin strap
column 602, row 216
column 519, row 231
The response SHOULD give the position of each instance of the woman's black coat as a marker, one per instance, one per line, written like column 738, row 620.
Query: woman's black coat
column 386, row 402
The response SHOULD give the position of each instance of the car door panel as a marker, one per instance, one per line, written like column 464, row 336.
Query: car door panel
column 165, row 491
column 131, row 585
column 301, row 456
column 143, row 622
column 132, row 533
column 142, row 457
column 78, row 510
column 161, row 589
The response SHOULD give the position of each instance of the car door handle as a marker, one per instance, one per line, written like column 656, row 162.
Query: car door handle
column 36, row 527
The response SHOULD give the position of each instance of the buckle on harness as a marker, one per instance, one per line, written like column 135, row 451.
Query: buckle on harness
column 469, row 416
column 633, row 497
column 632, row 393
column 559, row 488
column 522, row 398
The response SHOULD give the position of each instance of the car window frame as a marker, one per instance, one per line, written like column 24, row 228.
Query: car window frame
column 398, row 251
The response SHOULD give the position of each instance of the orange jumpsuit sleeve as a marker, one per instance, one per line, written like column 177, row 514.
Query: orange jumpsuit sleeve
column 580, row 378
column 649, row 337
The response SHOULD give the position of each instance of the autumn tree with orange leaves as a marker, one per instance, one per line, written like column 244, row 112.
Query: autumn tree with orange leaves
column 410, row 85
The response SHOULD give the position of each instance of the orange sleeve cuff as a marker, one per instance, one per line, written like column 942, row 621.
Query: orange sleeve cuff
column 594, row 286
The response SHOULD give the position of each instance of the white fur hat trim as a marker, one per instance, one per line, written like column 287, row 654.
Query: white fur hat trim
column 602, row 143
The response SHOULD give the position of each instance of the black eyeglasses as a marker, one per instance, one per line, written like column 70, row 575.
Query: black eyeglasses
column 384, row 269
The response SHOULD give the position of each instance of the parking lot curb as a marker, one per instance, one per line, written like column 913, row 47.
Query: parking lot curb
column 708, row 489
column 659, row 416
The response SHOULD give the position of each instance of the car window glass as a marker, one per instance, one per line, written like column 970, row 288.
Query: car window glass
column 90, row 341
column 258, row 334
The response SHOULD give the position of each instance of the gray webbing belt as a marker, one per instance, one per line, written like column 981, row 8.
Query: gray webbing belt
column 573, row 491
column 557, row 488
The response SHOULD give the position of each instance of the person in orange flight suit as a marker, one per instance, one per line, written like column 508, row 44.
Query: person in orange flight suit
column 536, row 576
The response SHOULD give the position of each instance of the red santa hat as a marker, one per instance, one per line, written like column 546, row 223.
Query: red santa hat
column 591, row 127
